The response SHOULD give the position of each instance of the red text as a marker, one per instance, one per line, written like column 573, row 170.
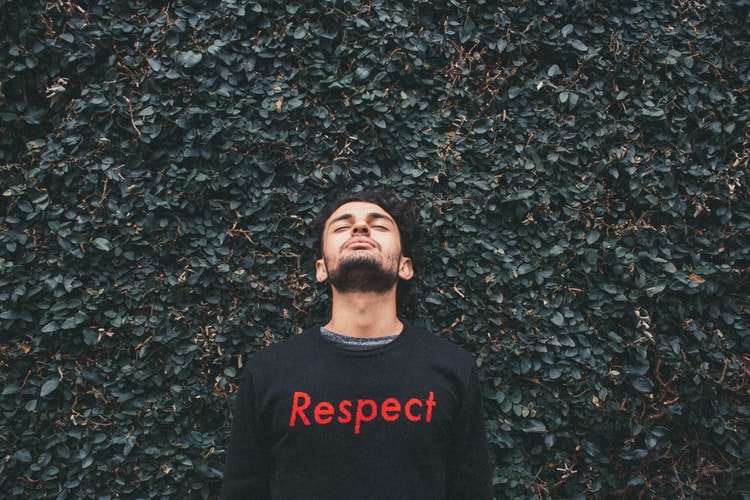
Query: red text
column 359, row 411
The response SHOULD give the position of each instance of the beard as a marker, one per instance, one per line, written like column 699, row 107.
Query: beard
column 363, row 273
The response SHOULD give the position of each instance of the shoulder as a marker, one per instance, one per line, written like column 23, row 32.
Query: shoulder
column 432, row 344
column 289, row 344
column 288, row 350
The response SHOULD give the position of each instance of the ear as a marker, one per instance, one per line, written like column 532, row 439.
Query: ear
column 321, row 273
column 405, row 269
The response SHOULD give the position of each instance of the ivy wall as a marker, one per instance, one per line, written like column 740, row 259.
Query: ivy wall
column 582, row 169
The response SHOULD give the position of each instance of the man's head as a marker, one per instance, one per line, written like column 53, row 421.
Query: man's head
column 369, row 241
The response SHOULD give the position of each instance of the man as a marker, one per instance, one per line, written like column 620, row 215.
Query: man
column 368, row 405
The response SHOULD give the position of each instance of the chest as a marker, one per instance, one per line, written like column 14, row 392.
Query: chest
column 329, row 401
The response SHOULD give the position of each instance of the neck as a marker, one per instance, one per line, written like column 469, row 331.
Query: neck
column 364, row 315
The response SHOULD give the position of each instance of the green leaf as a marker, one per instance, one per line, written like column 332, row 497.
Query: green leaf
column 23, row 455
column 49, row 387
column 525, row 269
column 556, row 250
column 467, row 30
column 189, row 59
column 90, row 337
column 103, row 244
column 579, row 45
column 533, row 426
column 300, row 32
column 557, row 319
column 11, row 389
column 643, row 385
column 655, row 289
column 481, row 126
column 592, row 237
column 50, row 327
column 434, row 298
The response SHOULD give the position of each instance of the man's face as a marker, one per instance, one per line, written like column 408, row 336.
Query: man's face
column 362, row 250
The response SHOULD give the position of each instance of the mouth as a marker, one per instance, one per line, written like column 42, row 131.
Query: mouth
column 359, row 244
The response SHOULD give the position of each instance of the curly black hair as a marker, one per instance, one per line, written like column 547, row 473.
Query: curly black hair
column 406, row 215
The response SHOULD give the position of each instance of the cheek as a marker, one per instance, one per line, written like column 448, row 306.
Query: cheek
column 333, row 242
column 394, row 245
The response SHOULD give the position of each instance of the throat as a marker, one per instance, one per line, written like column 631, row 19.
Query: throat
column 364, row 315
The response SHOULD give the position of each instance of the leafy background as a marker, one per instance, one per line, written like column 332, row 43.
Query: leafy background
column 581, row 167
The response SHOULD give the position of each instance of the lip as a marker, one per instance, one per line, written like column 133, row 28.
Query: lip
column 359, row 244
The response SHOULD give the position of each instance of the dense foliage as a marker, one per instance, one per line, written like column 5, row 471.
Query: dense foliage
column 581, row 167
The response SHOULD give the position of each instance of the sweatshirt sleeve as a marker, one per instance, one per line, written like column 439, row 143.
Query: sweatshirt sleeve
column 247, row 467
column 469, row 472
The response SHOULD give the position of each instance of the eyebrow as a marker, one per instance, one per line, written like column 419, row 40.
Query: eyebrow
column 371, row 215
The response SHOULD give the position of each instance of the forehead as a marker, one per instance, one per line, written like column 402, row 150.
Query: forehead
column 358, row 209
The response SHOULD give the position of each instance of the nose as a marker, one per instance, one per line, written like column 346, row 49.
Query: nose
column 360, row 228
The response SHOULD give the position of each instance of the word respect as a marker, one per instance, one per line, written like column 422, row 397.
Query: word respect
column 359, row 411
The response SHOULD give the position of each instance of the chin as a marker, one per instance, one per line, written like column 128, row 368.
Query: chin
column 362, row 275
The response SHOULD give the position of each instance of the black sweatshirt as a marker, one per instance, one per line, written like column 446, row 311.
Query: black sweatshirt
column 315, row 420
